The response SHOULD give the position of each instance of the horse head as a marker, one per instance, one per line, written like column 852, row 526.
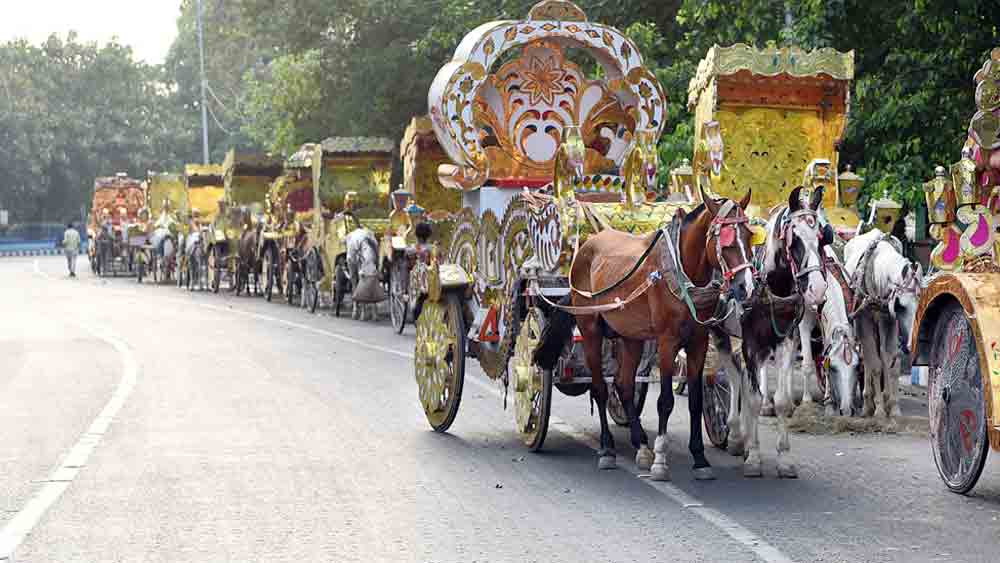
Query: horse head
column 728, row 244
column 842, row 363
column 904, row 299
column 801, row 236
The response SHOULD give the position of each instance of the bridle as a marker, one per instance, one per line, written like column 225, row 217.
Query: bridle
column 812, row 220
column 725, row 230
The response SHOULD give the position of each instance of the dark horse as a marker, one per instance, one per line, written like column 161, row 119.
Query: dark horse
column 793, row 278
column 248, row 263
column 713, row 238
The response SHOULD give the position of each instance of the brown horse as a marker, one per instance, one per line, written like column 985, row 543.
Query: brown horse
column 714, row 237
column 247, row 263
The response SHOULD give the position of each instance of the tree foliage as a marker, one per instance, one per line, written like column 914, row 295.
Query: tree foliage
column 284, row 72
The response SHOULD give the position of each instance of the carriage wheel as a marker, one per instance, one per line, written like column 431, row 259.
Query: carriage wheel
column 956, row 402
column 342, row 283
column 398, row 302
column 715, row 393
column 439, row 360
column 532, row 385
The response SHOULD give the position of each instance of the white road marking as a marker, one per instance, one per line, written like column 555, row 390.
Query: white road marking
column 20, row 526
column 727, row 525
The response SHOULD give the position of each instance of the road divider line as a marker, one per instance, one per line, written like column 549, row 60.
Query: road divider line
column 24, row 521
column 727, row 525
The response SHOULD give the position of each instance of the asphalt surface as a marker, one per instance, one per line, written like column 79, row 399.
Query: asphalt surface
column 258, row 432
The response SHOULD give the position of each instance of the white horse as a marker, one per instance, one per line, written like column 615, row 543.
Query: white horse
column 165, row 249
column 362, row 265
column 792, row 265
column 839, row 350
column 889, row 285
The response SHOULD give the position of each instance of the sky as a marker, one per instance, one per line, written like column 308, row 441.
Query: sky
column 148, row 26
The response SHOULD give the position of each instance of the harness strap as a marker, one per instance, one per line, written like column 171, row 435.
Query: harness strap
column 618, row 304
column 623, row 279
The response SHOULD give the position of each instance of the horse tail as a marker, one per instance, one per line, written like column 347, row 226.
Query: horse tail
column 555, row 335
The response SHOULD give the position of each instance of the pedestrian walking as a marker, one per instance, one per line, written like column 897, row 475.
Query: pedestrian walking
column 71, row 246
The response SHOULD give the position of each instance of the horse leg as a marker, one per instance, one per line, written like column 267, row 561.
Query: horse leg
column 696, row 352
column 784, row 405
column 750, row 407
column 767, row 407
column 871, row 361
column 891, row 365
column 592, row 341
column 724, row 347
column 667, row 349
column 808, row 369
column 625, row 383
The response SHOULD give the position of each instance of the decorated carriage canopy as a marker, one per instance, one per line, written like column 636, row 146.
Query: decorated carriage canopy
column 502, row 106
column 165, row 192
column 770, row 119
column 247, row 176
column 362, row 165
column 422, row 155
column 112, row 196
column 205, row 187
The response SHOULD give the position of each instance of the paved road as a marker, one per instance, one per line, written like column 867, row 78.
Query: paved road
column 257, row 432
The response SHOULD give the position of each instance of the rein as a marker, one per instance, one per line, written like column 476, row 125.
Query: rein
column 863, row 298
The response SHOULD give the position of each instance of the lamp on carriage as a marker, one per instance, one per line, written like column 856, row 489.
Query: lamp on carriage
column 849, row 188
column 963, row 181
column 940, row 196
column 682, row 180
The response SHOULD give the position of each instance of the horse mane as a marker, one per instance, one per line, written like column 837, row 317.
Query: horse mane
column 693, row 215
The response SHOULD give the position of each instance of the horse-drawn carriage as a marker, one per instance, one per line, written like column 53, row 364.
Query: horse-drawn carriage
column 158, row 254
column 204, row 185
column 114, row 220
column 289, row 216
column 350, row 179
column 543, row 157
column 958, row 320
column 234, row 236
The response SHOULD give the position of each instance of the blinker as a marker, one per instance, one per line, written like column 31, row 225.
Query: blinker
column 759, row 235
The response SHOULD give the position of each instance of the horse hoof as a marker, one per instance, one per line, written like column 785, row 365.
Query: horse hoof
column 752, row 468
column 660, row 473
column 704, row 474
column 735, row 448
column 868, row 411
column 787, row 471
column 880, row 413
column 607, row 462
column 767, row 410
column 644, row 458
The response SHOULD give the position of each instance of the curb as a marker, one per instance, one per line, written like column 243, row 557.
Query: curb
column 35, row 252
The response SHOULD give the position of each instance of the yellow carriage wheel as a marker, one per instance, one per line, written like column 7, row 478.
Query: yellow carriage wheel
column 439, row 359
column 532, row 384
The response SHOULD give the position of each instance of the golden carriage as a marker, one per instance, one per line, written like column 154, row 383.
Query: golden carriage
column 957, row 325
column 118, row 213
column 771, row 119
column 350, row 180
column 204, row 188
column 541, row 155
column 166, row 204
column 289, row 214
column 246, row 179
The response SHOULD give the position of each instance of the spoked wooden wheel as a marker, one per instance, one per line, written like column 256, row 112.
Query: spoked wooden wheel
column 439, row 360
column 532, row 385
column 616, row 409
column 956, row 402
column 715, row 393
column 399, row 304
